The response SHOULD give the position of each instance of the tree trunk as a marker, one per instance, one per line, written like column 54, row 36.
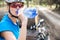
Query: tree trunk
column 59, row 6
column 56, row 5
column 27, row 3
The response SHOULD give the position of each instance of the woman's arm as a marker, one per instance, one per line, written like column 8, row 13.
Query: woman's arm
column 23, row 32
column 8, row 35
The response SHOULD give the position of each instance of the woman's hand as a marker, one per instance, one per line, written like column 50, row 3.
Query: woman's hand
column 21, row 15
column 23, row 18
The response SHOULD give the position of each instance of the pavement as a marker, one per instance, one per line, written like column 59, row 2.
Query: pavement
column 54, row 20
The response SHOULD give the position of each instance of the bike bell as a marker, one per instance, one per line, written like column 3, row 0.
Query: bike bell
column 30, row 12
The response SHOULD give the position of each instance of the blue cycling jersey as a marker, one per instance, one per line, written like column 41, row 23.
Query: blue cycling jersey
column 6, row 24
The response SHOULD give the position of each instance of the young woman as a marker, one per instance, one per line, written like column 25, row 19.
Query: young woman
column 9, row 29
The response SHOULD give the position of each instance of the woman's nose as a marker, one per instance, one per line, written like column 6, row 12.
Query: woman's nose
column 17, row 7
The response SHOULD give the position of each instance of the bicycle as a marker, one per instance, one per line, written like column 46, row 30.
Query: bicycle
column 42, row 31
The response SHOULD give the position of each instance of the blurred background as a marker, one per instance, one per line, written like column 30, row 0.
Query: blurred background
column 49, row 10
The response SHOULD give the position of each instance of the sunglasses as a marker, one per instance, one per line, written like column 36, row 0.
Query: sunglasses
column 15, row 5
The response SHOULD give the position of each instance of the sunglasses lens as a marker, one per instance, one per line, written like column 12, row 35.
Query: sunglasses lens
column 20, row 6
column 14, row 5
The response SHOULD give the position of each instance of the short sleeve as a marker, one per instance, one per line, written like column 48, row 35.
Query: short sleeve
column 4, row 27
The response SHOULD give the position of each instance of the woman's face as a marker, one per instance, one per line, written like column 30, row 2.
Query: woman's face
column 14, row 7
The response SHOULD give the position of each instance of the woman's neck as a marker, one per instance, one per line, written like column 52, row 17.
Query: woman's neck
column 12, row 18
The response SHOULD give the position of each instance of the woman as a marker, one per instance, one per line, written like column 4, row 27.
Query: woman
column 9, row 29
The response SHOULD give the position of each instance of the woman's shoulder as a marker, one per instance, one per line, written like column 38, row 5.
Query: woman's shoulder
column 4, row 27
